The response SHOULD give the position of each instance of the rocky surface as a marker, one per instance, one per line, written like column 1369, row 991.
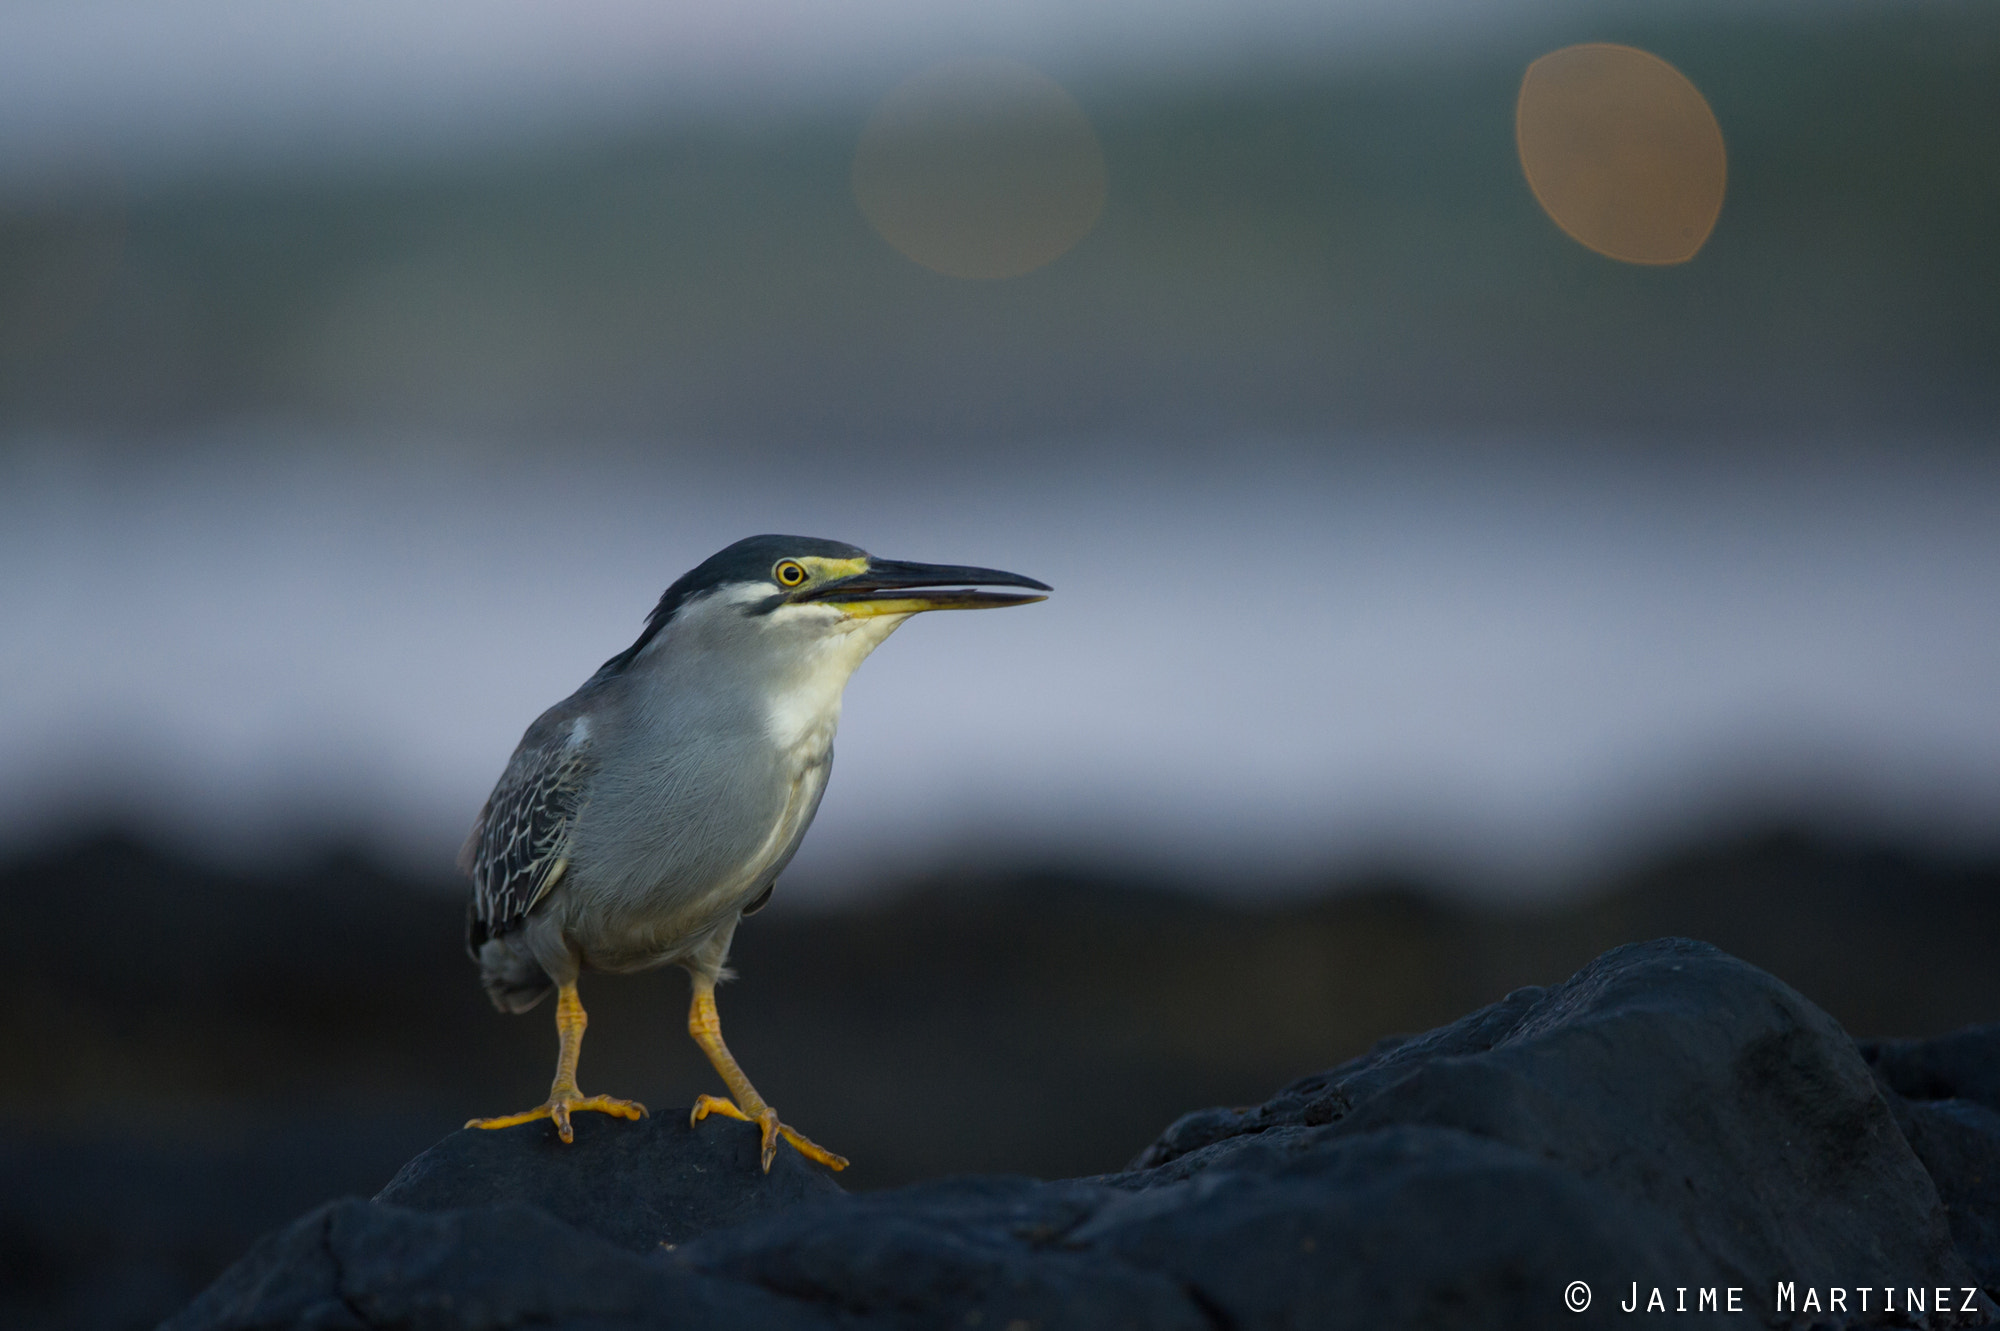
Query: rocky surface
column 1945, row 1094
column 1668, row 1117
column 640, row 1185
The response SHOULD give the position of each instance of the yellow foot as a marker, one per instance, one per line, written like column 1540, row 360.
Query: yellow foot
column 560, row 1106
column 704, row 1105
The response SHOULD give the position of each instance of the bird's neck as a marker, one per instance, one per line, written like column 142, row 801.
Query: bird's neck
column 781, row 679
column 802, row 697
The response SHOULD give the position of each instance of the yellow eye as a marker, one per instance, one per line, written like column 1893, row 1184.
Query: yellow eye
column 789, row 573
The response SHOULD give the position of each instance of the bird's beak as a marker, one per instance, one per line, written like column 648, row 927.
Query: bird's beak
column 894, row 587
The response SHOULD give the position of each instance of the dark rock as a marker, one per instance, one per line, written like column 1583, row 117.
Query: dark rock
column 354, row 1264
column 989, row 1252
column 1692, row 1088
column 1668, row 1117
column 1959, row 1143
column 1410, row 1226
column 1397, row 1227
column 1964, row 1065
column 1945, row 1094
column 637, row 1184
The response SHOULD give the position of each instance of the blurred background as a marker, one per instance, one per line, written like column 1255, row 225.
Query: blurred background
column 1518, row 478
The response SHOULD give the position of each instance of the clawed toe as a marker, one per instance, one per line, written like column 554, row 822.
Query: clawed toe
column 771, row 1129
column 558, row 1107
column 806, row 1147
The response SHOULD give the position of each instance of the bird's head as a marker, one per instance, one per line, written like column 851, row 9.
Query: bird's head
column 803, row 588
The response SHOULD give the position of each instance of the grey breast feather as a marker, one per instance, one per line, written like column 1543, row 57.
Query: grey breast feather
column 520, row 844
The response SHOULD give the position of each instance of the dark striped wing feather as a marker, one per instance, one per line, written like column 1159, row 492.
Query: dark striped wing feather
column 519, row 848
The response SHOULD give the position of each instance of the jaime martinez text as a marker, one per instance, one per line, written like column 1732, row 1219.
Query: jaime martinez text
column 1792, row 1298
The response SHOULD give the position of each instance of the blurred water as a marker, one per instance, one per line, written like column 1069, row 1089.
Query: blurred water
column 364, row 377
column 1498, row 660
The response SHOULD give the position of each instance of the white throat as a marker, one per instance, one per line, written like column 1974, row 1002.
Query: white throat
column 789, row 667
column 803, row 705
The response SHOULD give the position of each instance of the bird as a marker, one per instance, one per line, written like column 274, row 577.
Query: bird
column 644, row 816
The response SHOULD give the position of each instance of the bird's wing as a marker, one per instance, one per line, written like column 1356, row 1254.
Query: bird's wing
column 519, row 847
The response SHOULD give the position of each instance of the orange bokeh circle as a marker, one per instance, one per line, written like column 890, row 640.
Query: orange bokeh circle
column 1622, row 152
column 980, row 168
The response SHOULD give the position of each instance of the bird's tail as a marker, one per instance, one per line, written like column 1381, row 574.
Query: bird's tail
column 514, row 980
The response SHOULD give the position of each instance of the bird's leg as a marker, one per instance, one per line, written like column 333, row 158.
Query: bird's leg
column 564, row 1098
column 706, row 1028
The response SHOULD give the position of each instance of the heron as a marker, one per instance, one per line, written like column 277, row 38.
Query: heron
column 644, row 816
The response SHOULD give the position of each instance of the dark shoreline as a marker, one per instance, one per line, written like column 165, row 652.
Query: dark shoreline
column 201, row 1056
